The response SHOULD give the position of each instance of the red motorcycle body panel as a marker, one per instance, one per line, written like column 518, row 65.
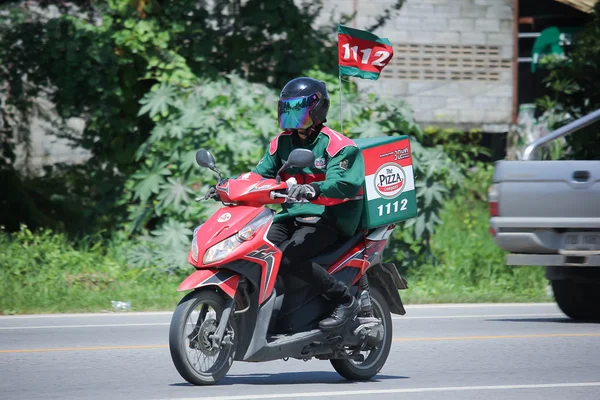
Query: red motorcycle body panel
column 225, row 280
column 248, row 194
column 360, row 257
column 269, row 257
column 250, row 189
column 222, row 224
column 225, row 223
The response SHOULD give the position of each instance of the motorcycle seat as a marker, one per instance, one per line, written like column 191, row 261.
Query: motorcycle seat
column 332, row 254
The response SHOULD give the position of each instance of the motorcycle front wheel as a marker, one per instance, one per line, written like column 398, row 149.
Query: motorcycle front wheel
column 376, row 357
column 194, row 353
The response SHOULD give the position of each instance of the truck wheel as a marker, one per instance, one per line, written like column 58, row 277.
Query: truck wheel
column 578, row 300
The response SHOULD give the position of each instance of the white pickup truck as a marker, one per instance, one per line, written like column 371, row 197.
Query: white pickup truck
column 547, row 213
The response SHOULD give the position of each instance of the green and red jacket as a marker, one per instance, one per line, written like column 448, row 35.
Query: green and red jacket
column 337, row 174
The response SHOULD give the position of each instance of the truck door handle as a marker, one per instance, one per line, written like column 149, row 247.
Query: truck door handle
column 581, row 176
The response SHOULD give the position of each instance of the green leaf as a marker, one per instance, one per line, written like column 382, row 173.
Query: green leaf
column 142, row 150
column 188, row 161
column 436, row 163
column 208, row 91
column 208, row 120
column 265, row 124
column 229, row 113
column 191, row 110
column 173, row 234
column 158, row 100
column 138, row 217
column 149, row 182
column 159, row 132
column 173, row 194
column 143, row 255
column 368, row 129
column 419, row 226
column 176, row 131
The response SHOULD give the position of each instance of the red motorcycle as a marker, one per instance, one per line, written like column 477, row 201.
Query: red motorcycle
column 240, row 308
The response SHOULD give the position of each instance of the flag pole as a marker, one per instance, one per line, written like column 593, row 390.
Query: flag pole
column 341, row 115
column 340, row 82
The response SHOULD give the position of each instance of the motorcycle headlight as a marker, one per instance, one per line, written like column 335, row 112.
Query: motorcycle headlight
column 195, row 244
column 220, row 250
column 248, row 232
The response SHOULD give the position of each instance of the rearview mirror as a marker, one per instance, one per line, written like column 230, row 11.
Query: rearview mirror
column 301, row 158
column 205, row 159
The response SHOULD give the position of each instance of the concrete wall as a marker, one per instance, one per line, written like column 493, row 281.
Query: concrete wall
column 47, row 147
column 452, row 58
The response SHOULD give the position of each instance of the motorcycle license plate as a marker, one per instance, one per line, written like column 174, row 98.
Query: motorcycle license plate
column 581, row 241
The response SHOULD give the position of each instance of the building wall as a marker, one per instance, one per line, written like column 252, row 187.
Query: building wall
column 452, row 58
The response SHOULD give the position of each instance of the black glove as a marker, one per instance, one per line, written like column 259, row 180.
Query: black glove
column 212, row 193
column 302, row 192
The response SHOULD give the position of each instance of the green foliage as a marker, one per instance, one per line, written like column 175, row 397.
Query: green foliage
column 462, row 146
column 437, row 176
column 574, row 90
column 445, row 165
column 97, row 60
column 44, row 272
column 469, row 266
column 75, row 64
column 475, row 186
column 235, row 120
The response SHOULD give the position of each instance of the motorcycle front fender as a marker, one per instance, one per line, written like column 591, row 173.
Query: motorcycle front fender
column 224, row 279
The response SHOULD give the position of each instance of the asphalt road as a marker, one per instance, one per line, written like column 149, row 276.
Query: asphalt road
column 439, row 352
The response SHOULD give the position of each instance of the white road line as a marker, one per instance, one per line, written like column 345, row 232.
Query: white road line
column 390, row 391
column 394, row 317
column 401, row 317
column 6, row 328
column 86, row 315
column 151, row 313
column 478, row 305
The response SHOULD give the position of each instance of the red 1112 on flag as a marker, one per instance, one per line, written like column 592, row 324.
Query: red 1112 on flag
column 362, row 54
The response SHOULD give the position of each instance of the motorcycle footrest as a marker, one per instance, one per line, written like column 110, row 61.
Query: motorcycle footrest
column 308, row 336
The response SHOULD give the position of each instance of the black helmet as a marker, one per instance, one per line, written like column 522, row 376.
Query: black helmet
column 303, row 103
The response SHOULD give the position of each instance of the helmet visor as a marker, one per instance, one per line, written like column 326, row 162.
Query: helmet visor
column 294, row 112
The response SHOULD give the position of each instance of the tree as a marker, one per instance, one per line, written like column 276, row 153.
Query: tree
column 97, row 59
column 574, row 89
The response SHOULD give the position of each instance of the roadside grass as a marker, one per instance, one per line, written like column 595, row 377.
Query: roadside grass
column 143, row 295
column 44, row 272
column 470, row 267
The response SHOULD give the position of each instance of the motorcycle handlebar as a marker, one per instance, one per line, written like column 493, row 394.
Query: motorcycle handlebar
column 275, row 195
column 213, row 194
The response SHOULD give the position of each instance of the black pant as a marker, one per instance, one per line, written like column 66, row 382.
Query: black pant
column 301, row 241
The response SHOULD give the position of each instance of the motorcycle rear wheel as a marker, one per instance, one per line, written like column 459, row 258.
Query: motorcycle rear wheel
column 365, row 370
column 187, row 347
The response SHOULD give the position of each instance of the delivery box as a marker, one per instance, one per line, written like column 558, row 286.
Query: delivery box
column 389, row 189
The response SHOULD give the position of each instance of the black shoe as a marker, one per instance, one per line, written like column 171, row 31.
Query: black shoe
column 340, row 315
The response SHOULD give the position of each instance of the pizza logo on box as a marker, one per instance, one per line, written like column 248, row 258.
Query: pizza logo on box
column 390, row 180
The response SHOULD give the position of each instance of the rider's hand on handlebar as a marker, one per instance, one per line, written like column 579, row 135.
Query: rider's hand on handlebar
column 212, row 193
column 298, row 192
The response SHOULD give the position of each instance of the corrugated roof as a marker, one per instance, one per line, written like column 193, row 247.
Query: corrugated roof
column 582, row 5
